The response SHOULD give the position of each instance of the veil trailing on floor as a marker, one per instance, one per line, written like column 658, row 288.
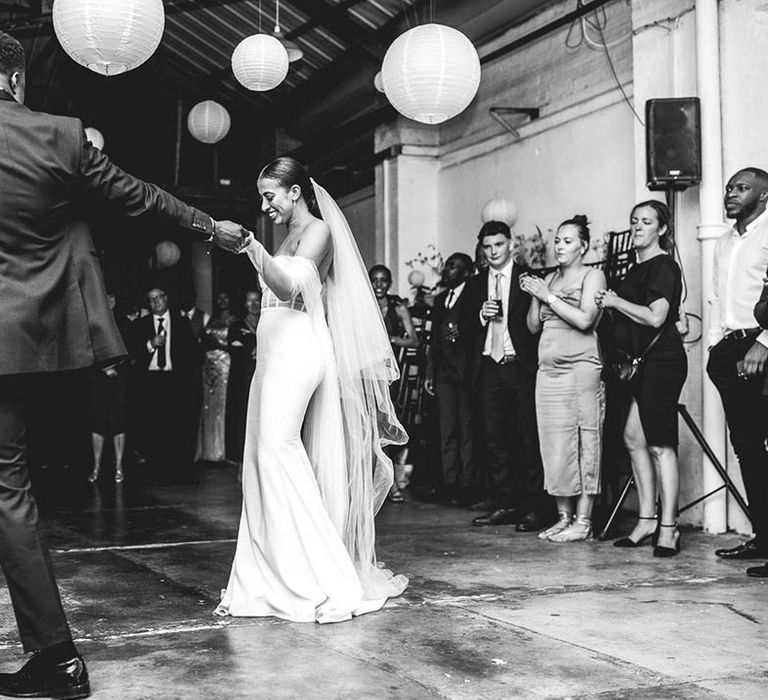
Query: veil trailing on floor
column 364, row 366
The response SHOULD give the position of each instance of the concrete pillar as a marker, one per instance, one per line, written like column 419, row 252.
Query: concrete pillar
column 709, row 229
column 406, row 200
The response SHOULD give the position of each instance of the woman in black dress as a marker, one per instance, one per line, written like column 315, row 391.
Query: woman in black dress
column 647, row 304
column 241, row 343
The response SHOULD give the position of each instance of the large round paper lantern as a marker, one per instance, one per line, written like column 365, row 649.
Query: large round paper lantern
column 260, row 62
column 167, row 254
column 109, row 36
column 208, row 122
column 431, row 73
column 95, row 137
column 500, row 210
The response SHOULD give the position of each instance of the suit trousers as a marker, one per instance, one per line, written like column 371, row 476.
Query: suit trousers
column 23, row 554
column 746, row 410
column 456, row 427
column 165, row 407
column 508, row 405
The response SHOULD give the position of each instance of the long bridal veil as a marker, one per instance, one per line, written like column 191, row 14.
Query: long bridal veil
column 365, row 366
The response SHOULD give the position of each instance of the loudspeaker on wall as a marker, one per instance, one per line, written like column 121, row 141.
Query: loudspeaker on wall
column 673, row 142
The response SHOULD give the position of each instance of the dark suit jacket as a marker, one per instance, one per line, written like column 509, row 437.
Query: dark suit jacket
column 184, row 348
column 526, row 344
column 54, row 314
column 455, row 354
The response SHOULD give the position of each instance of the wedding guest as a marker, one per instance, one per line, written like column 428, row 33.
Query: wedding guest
column 215, row 373
column 645, row 311
column 570, row 401
column 446, row 377
column 402, row 334
column 394, row 310
column 241, row 344
column 199, row 320
column 503, row 368
column 108, row 390
column 165, row 353
column 739, row 347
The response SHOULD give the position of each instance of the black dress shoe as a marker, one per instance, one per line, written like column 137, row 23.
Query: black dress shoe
column 746, row 550
column 758, row 571
column 534, row 521
column 41, row 678
column 502, row 516
column 483, row 506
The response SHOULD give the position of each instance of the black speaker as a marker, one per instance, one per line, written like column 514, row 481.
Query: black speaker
column 673, row 142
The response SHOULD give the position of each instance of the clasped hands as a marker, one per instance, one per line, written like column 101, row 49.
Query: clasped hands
column 230, row 236
column 606, row 299
column 535, row 286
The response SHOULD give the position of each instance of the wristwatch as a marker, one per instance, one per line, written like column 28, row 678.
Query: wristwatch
column 551, row 299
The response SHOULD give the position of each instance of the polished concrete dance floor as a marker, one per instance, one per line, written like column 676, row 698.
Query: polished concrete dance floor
column 489, row 613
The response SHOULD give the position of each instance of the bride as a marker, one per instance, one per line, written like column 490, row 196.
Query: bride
column 319, row 414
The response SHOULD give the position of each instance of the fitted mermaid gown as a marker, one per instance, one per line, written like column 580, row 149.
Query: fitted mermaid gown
column 291, row 560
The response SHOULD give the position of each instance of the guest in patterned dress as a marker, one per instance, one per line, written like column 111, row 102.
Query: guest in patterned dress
column 216, row 363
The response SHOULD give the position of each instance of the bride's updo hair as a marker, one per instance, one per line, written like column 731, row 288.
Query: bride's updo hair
column 288, row 172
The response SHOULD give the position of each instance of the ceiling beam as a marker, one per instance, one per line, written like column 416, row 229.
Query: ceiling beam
column 336, row 19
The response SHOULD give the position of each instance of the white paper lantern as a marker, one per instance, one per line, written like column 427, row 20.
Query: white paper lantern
column 167, row 254
column 208, row 122
column 260, row 62
column 500, row 210
column 295, row 52
column 95, row 137
column 431, row 73
column 109, row 36
column 377, row 83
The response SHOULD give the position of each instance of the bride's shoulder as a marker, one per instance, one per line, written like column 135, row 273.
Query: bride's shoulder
column 314, row 240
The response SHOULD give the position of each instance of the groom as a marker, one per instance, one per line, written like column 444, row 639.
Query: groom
column 54, row 317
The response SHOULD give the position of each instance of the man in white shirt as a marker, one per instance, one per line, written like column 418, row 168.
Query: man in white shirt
column 446, row 377
column 504, row 362
column 739, row 348
column 166, row 359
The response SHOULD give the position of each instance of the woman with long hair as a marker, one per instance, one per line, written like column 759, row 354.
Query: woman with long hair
column 645, row 311
column 319, row 416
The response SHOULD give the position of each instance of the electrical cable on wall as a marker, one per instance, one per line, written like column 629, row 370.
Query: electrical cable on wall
column 599, row 24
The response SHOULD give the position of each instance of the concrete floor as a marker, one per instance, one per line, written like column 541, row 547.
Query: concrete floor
column 489, row 613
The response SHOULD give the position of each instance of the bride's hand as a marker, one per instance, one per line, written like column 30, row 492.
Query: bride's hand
column 247, row 240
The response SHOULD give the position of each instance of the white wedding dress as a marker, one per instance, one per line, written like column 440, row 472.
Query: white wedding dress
column 314, row 473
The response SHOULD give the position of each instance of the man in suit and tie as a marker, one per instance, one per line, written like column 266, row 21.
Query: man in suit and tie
column 503, row 367
column 54, row 318
column 166, row 354
column 446, row 377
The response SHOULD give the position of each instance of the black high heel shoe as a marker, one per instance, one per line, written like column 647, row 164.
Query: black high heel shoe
column 661, row 551
column 629, row 542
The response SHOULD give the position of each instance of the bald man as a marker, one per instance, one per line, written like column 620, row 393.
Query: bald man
column 739, row 347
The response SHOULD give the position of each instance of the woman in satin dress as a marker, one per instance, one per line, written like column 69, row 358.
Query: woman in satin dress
column 319, row 415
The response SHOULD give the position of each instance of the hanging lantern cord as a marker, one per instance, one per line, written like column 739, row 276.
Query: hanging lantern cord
column 277, row 16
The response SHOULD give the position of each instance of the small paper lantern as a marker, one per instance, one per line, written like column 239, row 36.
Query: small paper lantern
column 208, row 122
column 500, row 210
column 377, row 83
column 109, row 36
column 95, row 137
column 260, row 62
column 431, row 73
column 167, row 254
column 416, row 278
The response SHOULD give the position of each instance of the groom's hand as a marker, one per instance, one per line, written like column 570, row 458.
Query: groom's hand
column 229, row 236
